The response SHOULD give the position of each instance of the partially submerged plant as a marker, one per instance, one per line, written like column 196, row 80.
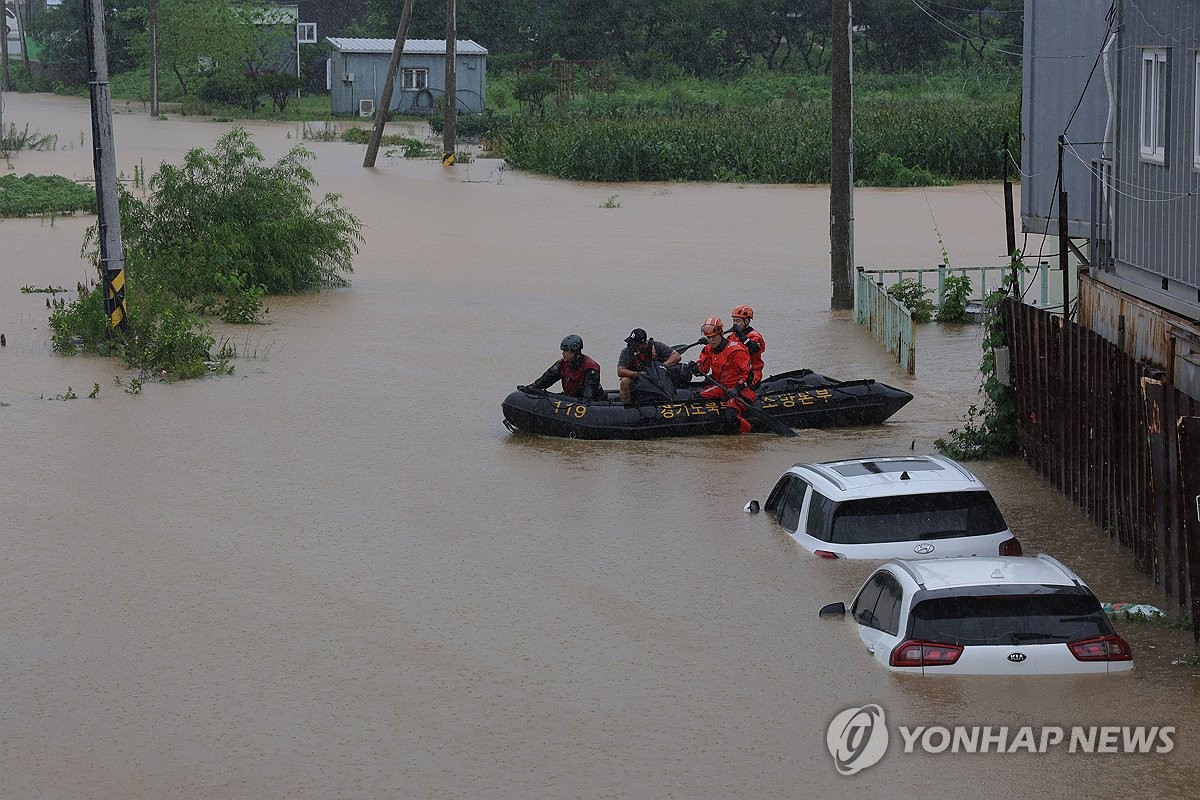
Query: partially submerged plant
column 915, row 297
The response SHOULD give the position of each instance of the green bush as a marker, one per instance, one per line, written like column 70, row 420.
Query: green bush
column 279, row 87
column 43, row 195
column 956, row 289
column 915, row 298
column 233, row 89
column 218, row 233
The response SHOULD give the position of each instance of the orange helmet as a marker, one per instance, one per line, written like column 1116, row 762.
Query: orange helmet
column 712, row 327
column 744, row 312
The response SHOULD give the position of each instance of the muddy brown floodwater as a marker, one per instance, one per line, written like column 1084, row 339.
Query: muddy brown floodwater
column 336, row 574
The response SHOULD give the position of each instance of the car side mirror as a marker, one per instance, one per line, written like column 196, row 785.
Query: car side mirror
column 832, row 610
column 751, row 507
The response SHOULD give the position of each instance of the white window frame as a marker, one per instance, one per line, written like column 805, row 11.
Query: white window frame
column 1155, row 108
column 410, row 75
column 1196, row 112
column 306, row 33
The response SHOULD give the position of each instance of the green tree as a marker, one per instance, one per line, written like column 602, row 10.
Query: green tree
column 63, row 35
column 196, row 37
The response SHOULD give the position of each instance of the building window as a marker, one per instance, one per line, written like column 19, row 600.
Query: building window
column 1154, row 105
column 306, row 33
column 416, row 79
column 1196, row 116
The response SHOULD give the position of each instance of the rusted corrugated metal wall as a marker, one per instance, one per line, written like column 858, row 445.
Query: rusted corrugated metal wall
column 1112, row 437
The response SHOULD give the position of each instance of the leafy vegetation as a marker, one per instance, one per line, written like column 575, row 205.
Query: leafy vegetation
column 990, row 430
column 218, row 233
column 44, row 195
column 14, row 141
column 956, row 290
column 915, row 298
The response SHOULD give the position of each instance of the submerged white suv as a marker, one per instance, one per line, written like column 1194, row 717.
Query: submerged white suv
column 984, row 616
column 899, row 507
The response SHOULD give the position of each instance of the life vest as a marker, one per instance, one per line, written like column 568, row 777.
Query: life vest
column 729, row 364
column 572, row 376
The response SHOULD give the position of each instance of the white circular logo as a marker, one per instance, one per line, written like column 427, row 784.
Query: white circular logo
column 857, row 738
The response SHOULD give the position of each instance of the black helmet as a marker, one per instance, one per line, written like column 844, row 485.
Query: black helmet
column 573, row 343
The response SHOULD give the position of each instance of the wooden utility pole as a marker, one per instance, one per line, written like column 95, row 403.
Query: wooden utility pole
column 841, row 160
column 104, row 162
column 154, row 58
column 450, row 108
column 389, row 83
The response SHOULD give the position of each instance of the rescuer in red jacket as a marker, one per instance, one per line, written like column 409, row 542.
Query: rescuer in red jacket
column 580, row 374
column 728, row 362
column 753, row 340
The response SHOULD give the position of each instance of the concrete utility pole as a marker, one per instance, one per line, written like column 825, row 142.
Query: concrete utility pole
column 841, row 160
column 389, row 83
column 450, row 109
column 154, row 58
column 21, row 19
column 104, row 161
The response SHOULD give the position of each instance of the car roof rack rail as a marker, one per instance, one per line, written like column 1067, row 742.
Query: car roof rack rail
column 1049, row 559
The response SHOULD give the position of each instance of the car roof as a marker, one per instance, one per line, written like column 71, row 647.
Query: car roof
column 888, row 476
column 947, row 573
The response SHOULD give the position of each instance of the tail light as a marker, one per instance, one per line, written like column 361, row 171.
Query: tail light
column 1010, row 547
column 914, row 653
column 825, row 554
column 1102, row 648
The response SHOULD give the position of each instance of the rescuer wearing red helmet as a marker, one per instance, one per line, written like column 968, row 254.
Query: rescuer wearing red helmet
column 753, row 340
column 580, row 374
column 728, row 362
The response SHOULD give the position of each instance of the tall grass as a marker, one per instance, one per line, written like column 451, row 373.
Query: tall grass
column 784, row 143
column 769, row 128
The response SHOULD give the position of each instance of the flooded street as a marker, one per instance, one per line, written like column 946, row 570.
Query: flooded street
column 336, row 574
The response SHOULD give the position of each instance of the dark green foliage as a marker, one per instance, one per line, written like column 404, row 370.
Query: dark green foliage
column 61, row 32
column 233, row 89
column 956, row 289
column 43, row 195
column 279, row 87
column 693, row 138
column 219, row 233
column 890, row 171
column 915, row 298
column 989, row 431
column 532, row 90
column 490, row 124
column 225, row 213
column 363, row 136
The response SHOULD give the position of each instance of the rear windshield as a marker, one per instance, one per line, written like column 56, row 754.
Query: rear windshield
column 1009, row 619
column 908, row 518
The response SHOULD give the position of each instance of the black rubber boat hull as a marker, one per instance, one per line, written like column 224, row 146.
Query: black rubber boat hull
column 799, row 399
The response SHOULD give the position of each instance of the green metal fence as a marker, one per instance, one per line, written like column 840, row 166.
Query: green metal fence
column 889, row 320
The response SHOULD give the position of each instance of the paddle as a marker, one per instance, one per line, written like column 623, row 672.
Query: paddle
column 757, row 413
column 683, row 348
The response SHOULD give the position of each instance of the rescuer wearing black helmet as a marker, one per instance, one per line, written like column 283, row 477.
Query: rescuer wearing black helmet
column 580, row 374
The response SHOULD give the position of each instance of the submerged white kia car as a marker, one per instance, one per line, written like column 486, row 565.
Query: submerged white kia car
column 898, row 507
column 984, row 616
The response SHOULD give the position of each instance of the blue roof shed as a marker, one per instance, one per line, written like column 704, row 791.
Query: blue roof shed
column 357, row 70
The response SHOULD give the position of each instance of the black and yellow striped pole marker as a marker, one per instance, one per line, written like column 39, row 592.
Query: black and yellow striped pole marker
column 448, row 160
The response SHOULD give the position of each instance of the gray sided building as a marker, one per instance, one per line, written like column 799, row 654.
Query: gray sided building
column 1131, row 165
column 358, row 68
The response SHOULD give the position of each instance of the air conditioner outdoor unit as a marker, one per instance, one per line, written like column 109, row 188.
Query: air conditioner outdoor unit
column 366, row 108
column 348, row 77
